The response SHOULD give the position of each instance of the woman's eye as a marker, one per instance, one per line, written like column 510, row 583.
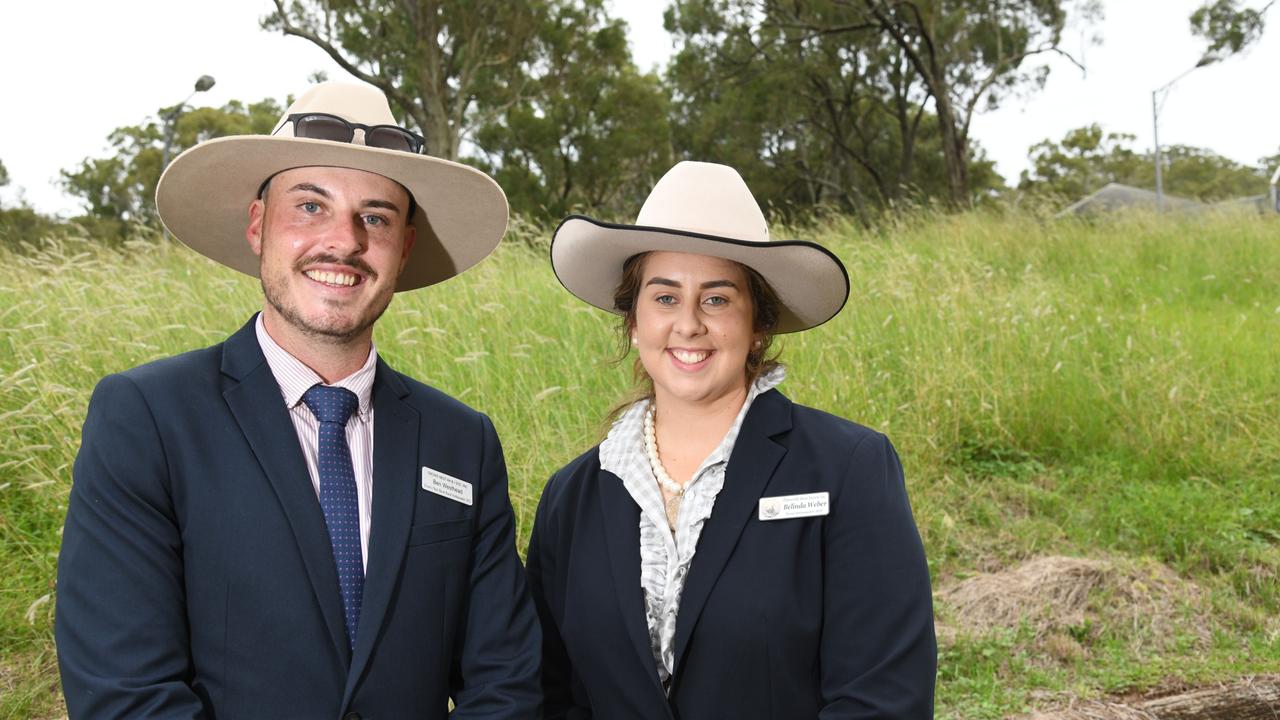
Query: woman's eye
column 666, row 299
column 716, row 301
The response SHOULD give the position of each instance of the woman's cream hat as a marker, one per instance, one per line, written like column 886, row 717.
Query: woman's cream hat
column 204, row 195
column 704, row 209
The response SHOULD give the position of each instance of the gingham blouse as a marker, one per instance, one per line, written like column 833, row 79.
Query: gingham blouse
column 665, row 557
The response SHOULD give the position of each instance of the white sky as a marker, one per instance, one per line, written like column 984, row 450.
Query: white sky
column 91, row 66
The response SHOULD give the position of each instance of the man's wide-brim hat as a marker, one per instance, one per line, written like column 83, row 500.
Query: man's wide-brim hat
column 703, row 209
column 204, row 195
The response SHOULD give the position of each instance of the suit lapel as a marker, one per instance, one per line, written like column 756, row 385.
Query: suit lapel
column 621, row 521
column 755, row 456
column 395, row 471
column 256, row 404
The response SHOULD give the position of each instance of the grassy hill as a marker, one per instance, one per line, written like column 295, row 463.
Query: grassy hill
column 1089, row 417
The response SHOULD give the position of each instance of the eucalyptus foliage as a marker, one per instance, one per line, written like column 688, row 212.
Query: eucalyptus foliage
column 118, row 191
column 1088, row 158
column 1227, row 27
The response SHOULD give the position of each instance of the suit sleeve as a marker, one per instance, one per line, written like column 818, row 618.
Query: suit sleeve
column 496, row 674
column 878, row 653
column 121, row 622
column 558, row 679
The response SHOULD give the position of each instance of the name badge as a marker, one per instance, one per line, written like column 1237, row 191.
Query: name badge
column 785, row 507
column 447, row 486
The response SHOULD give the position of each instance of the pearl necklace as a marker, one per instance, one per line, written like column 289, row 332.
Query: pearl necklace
column 660, row 472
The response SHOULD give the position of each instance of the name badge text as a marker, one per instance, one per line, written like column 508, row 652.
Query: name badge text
column 784, row 507
column 447, row 486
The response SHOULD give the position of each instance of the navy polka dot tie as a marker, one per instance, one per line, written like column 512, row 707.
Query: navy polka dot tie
column 333, row 406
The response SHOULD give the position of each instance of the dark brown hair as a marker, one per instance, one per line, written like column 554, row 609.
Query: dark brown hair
column 765, row 312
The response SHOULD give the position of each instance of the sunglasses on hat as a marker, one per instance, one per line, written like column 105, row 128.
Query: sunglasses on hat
column 323, row 126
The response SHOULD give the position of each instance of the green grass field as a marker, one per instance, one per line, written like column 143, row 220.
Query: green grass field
column 1107, row 391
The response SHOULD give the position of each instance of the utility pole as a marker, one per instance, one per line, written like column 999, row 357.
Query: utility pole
column 1158, row 96
column 171, row 118
column 203, row 83
column 1275, row 194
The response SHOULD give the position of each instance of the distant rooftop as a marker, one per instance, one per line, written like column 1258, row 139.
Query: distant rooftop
column 1114, row 196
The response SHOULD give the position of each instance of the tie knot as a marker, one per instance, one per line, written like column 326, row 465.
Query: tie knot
column 331, row 404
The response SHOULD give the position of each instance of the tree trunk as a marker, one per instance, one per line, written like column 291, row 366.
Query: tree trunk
column 433, row 85
column 440, row 135
column 908, row 119
column 933, row 72
column 954, row 147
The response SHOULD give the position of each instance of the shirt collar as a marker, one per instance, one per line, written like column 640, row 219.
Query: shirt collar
column 765, row 382
column 622, row 451
column 295, row 378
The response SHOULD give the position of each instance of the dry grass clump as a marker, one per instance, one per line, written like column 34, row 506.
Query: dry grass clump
column 1251, row 698
column 1066, row 602
column 1090, row 710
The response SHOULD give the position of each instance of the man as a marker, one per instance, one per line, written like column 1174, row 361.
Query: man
column 282, row 526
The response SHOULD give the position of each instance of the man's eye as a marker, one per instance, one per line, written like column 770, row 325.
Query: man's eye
column 375, row 220
column 310, row 207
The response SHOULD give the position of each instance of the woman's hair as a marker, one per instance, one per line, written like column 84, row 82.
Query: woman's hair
column 765, row 311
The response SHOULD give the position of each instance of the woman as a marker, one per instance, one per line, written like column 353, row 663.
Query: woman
column 724, row 553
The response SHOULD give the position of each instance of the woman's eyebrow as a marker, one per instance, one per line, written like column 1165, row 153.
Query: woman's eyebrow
column 706, row 285
column 662, row 281
column 719, row 283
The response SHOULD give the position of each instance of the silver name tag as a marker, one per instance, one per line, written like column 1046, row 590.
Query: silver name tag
column 785, row 507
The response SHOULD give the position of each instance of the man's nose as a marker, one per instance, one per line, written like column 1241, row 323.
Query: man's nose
column 348, row 238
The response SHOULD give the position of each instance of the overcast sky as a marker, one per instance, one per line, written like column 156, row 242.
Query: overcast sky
column 73, row 70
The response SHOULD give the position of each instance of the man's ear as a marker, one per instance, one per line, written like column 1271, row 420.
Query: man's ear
column 253, row 233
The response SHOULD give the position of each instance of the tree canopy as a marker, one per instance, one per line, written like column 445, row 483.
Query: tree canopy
column 21, row 224
column 878, row 96
column 1088, row 158
column 119, row 190
column 447, row 65
column 541, row 93
column 851, row 105
column 591, row 133
column 1227, row 27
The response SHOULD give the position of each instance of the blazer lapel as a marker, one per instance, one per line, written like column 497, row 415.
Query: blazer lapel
column 621, row 521
column 755, row 456
column 256, row 404
column 395, row 472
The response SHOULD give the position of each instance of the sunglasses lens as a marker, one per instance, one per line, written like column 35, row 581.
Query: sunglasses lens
column 391, row 138
column 322, row 127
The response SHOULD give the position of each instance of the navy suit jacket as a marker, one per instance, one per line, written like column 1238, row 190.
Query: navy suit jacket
column 817, row 617
column 196, row 578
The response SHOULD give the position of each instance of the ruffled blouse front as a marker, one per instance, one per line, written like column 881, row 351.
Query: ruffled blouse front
column 665, row 556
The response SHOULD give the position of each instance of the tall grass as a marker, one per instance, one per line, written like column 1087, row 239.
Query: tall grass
column 1109, row 389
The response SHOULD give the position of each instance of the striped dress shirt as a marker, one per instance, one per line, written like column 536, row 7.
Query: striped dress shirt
column 294, row 379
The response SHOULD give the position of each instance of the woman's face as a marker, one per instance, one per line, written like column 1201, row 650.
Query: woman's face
column 693, row 326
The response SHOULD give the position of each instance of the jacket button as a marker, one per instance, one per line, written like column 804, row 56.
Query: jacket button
column 351, row 716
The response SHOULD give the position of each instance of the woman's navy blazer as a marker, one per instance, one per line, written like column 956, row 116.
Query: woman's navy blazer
column 815, row 617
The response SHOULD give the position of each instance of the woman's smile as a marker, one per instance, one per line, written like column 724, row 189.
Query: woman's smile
column 689, row 359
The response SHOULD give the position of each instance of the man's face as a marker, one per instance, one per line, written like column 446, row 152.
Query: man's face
column 332, row 242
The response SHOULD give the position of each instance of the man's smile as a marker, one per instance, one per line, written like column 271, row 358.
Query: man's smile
column 333, row 278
